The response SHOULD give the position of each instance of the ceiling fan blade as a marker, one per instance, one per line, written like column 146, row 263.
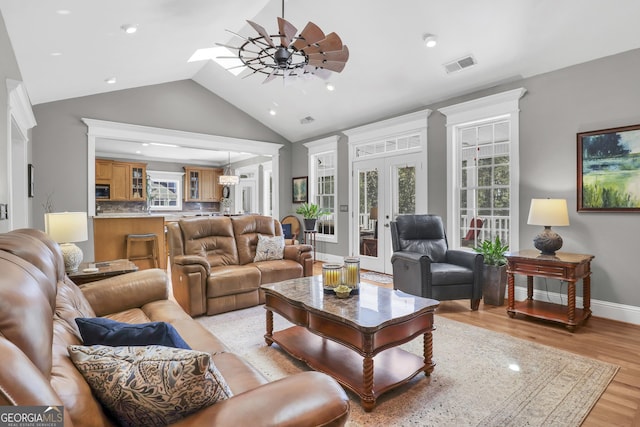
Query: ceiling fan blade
column 287, row 31
column 262, row 32
column 310, row 34
column 270, row 76
column 328, row 44
column 337, row 55
column 328, row 65
column 228, row 46
column 318, row 72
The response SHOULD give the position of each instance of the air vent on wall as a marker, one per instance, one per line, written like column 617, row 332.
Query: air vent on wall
column 460, row 64
column 307, row 120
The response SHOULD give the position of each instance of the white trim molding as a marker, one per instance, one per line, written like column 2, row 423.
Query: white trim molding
column 20, row 106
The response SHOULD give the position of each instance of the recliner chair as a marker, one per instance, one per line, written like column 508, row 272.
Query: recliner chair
column 424, row 265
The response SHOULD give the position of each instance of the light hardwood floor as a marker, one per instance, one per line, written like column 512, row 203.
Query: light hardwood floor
column 601, row 339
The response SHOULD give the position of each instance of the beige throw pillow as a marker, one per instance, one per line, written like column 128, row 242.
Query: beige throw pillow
column 150, row 385
column 269, row 248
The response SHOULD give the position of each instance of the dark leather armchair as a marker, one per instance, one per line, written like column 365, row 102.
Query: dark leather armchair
column 424, row 265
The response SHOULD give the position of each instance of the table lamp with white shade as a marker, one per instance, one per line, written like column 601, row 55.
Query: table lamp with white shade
column 548, row 213
column 66, row 228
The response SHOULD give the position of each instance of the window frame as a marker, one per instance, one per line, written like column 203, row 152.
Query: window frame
column 178, row 177
column 503, row 106
column 323, row 147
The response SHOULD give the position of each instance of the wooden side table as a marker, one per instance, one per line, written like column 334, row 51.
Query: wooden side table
column 105, row 269
column 562, row 266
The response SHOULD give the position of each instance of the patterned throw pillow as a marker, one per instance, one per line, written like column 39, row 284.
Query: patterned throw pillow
column 150, row 386
column 269, row 248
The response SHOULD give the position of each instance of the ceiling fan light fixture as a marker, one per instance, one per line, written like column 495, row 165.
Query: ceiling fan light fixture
column 290, row 55
column 430, row 40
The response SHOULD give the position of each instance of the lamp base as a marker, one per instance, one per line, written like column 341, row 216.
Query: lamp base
column 72, row 256
column 548, row 241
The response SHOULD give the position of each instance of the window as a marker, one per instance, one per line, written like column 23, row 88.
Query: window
column 323, row 177
column 164, row 190
column 482, row 154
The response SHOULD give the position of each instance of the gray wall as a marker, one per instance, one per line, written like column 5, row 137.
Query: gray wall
column 8, row 70
column 60, row 138
column 600, row 94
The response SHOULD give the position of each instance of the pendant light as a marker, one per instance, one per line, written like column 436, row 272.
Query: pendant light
column 227, row 178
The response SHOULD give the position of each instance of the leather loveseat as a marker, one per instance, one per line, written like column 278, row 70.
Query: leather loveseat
column 38, row 305
column 212, row 262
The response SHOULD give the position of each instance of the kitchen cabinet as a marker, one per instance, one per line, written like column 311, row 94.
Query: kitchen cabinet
column 103, row 170
column 201, row 184
column 128, row 180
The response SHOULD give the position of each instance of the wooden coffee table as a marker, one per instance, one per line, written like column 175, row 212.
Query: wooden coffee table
column 346, row 338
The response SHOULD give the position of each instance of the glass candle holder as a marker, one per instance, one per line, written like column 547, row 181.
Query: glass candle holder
column 331, row 275
column 351, row 272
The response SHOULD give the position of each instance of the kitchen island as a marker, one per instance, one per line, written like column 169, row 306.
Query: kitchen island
column 110, row 231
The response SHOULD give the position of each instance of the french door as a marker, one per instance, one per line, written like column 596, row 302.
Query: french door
column 383, row 188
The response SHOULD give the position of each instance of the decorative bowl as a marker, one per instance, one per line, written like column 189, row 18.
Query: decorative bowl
column 342, row 291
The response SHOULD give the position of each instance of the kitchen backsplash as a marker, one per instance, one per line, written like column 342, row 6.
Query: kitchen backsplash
column 137, row 207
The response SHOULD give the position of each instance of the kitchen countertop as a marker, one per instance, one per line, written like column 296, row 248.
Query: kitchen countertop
column 168, row 216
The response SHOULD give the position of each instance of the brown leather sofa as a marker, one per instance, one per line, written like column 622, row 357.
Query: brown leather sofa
column 212, row 268
column 38, row 305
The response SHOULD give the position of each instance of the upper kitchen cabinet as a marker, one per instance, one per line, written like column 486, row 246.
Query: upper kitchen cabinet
column 104, row 170
column 201, row 184
column 128, row 181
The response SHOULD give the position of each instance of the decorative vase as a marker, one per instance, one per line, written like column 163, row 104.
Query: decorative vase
column 310, row 224
column 494, row 284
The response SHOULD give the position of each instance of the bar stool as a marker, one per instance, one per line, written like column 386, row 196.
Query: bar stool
column 146, row 239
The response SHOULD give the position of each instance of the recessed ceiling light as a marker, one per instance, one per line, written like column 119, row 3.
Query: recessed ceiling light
column 272, row 112
column 430, row 40
column 63, row 12
column 129, row 28
column 145, row 144
column 110, row 80
column 55, row 53
column 330, row 87
column 138, row 152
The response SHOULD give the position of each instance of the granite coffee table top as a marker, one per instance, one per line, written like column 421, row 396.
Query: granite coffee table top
column 372, row 308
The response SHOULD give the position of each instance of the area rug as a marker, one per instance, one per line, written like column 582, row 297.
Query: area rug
column 481, row 378
column 376, row 277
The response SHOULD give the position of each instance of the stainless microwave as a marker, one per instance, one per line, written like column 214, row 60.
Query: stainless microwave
column 103, row 191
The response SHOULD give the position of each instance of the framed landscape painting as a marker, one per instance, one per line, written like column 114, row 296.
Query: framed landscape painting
column 300, row 189
column 609, row 170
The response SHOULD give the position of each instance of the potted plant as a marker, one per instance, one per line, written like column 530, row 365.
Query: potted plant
column 310, row 212
column 494, row 276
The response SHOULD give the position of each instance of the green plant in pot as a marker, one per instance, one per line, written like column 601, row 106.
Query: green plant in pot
column 310, row 212
column 494, row 276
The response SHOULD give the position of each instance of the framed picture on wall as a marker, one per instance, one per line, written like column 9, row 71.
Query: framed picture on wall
column 299, row 190
column 31, row 186
column 609, row 170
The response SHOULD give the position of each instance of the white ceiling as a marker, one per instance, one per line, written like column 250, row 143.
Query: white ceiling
column 389, row 72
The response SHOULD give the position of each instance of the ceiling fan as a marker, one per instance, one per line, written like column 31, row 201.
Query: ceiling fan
column 311, row 53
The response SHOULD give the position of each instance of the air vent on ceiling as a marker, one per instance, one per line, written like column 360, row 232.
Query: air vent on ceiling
column 460, row 64
column 307, row 120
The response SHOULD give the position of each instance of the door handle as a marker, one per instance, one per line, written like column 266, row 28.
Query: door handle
column 387, row 225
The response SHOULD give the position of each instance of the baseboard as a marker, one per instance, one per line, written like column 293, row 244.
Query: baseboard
column 605, row 309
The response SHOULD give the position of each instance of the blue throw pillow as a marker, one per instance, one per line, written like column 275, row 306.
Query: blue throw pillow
column 286, row 231
column 103, row 331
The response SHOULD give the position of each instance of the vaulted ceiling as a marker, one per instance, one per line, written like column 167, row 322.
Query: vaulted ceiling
column 390, row 71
